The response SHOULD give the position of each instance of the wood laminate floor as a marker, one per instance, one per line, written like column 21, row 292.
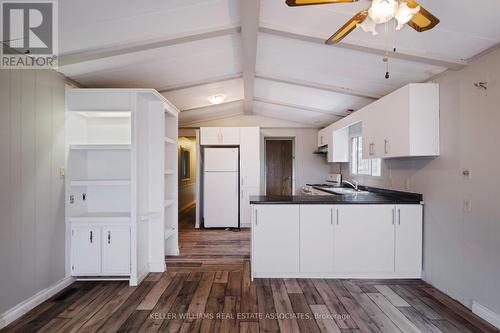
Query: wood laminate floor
column 208, row 289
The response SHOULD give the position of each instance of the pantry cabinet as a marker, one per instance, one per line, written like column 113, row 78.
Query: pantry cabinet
column 116, row 250
column 336, row 241
column 85, row 250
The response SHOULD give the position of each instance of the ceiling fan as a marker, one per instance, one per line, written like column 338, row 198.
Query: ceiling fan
column 381, row 11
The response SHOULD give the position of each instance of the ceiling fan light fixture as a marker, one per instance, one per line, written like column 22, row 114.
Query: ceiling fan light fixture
column 404, row 14
column 383, row 11
column 369, row 26
column 217, row 99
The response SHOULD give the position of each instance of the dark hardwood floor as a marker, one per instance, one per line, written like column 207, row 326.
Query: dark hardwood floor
column 208, row 289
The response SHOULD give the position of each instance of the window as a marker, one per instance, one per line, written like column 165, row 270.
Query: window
column 360, row 166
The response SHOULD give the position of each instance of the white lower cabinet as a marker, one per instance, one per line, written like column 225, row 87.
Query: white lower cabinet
column 100, row 250
column 85, row 250
column 316, row 238
column 275, row 239
column 344, row 241
column 409, row 239
column 364, row 239
column 245, row 209
column 116, row 250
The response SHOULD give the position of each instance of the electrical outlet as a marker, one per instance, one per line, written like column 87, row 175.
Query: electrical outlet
column 467, row 205
column 62, row 173
column 467, row 173
column 71, row 199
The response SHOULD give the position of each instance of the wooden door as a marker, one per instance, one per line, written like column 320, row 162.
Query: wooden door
column 279, row 167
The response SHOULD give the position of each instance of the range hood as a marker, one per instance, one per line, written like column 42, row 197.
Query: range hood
column 323, row 150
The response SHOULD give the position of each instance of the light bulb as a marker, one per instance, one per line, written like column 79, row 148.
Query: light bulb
column 217, row 99
column 369, row 26
column 404, row 14
column 383, row 11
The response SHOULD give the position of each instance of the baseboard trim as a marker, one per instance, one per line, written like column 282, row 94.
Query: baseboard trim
column 485, row 313
column 25, row 306
column 246, row 225
column 172, row 251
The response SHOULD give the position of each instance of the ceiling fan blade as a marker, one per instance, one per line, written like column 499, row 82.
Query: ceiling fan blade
column 348, row 27
column 423, row 20
column 293, row 3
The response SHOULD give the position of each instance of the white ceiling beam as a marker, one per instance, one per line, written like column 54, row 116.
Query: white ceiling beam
column 320, row 86
column 203, row 82
column 206, row 107
column 299, row 107
column 403, row 55
column 249, row 16
column 94, row 54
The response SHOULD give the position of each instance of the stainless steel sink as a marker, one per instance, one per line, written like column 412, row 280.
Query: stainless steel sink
column 347, row 191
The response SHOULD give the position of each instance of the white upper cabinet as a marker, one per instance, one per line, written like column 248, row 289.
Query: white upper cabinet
column 323, row 137
column 338, row 149
column 404, row 123
column 219, row 136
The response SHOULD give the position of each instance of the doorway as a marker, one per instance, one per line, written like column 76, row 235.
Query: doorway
column 279, row 166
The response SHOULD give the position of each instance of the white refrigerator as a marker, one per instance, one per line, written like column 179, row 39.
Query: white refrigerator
column 221, row 188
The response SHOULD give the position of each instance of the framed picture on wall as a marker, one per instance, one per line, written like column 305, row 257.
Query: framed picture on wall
column 185, row 159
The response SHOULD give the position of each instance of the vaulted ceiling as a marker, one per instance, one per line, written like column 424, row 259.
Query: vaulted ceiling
column 267, row 58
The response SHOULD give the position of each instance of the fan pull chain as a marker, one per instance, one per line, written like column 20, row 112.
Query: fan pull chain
column 386, row 55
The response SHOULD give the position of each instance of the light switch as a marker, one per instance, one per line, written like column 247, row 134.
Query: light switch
column 62, row 173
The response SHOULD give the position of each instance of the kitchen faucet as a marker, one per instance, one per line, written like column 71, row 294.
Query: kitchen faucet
column 353, row 183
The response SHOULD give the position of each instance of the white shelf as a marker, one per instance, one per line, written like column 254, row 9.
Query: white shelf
column 170, row 172
column 100, row 182
column 170, row 140
column 101, row 217
column 169, row 232
column 101, row 147
column 169, row 202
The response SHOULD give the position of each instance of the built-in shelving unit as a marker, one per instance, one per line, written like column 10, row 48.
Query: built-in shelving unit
column 121, row 182
column 171, row 165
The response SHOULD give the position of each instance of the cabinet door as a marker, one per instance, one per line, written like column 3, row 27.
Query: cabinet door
column 316, row 238
column 116, row 250
column 364, row 239
column 210, row 136
column 369, row 132
column 250, row 157
column 245, row 210
column 338, row 150
column 275, row 239
column 230, row 135
column 393, row 131
column 322, row 138
column 409, row 239
column 85, row 250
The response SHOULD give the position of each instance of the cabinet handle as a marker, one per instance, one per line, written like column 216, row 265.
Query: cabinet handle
column 337, row 211
column 91, row 237
column 393, row 216
column 242, row 194
column 399, row 216
column 386, row 150
column 109, row 237
column 256, row 216
column 331, row 216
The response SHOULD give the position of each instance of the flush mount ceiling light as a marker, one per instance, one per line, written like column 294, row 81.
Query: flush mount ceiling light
column 217, row 99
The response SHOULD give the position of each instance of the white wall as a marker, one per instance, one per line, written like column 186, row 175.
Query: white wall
column 32, row 246
column 461, row 249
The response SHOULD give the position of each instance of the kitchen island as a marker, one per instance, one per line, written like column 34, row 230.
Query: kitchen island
column 376, row 234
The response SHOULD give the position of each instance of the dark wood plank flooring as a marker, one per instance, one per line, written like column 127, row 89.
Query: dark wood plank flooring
column 208, row 289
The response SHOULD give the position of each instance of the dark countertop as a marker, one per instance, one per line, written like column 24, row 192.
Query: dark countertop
column 375, row 196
